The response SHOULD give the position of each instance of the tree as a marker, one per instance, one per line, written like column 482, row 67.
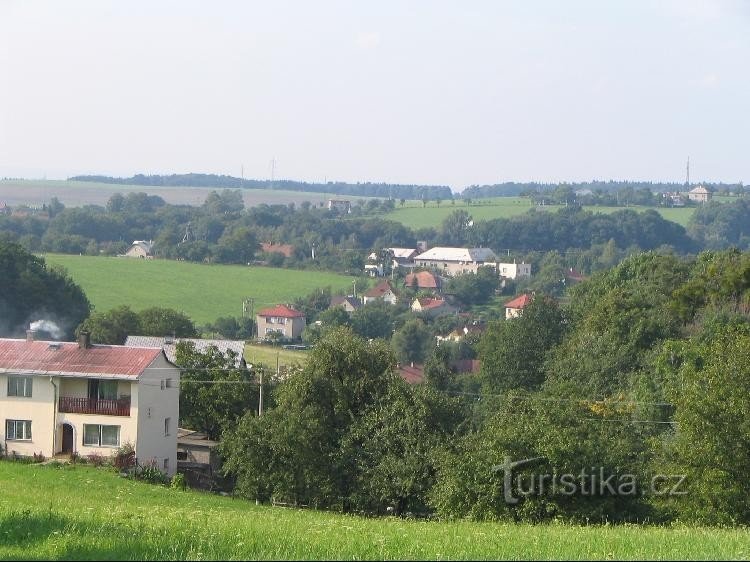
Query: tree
column 413, row 342
column 474, row 288
column 374, row 320
column 216, row 405
column 455, row 227
column 233, row 328
column 156, row 321
column 32, row 291
column 111, row 327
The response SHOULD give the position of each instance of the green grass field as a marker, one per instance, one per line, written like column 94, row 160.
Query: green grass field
column 78, row 193
column 266, row 355
column 203, row 292
column 412, row 214
column 84, row 513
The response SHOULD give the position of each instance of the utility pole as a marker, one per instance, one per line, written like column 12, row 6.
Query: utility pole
column 260, row 396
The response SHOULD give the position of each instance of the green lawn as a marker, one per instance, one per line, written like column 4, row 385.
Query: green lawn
column 84, row 513
column 266, row 355
column 203, row 292
column 414, row 215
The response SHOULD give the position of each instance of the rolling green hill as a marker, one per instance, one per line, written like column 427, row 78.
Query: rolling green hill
column 203, row 292
column 45, row 514
column 412, row 214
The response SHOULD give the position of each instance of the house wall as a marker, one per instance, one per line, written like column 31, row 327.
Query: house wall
column 136, row 252
column 291, row 328
column 512, row 312
column 450, row 267
column 153, row 405
column 39, row 409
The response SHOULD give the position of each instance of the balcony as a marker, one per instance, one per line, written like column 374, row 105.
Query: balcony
column 70, row 405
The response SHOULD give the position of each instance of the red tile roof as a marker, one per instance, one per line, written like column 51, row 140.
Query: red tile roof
column 425, row 280
column 285, row 249
column 281, row 311
column 427, row 303
column 379, row 290
column 43, row 357
column 518, row 302
column 411, row 374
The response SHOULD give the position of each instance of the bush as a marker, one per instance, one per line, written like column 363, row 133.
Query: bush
column 124, row 457
column 151, row 473
column 39, row 457
column 97, row 460
column 178, row 482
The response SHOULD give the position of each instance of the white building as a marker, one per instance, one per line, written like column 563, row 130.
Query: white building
column 88, row 399
column 454, row 261
column 513, row 270
column 140, row 249
column 699, row 194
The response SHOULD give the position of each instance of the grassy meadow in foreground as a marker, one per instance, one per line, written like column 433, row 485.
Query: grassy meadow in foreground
column 86, row 513
column 203, row 292
column 412, row 214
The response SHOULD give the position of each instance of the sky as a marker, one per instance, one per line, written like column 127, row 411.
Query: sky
column 424, row 92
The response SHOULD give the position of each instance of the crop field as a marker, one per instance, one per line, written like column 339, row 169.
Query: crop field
column 413, row 214
column 203, row 292
column 86, row 513
column 76, row 194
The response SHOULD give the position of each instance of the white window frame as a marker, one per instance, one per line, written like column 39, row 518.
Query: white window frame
column 27, row 385
column 100, row 435
column 13, row 435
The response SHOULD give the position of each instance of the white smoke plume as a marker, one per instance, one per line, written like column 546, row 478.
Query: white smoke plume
column 48, row 326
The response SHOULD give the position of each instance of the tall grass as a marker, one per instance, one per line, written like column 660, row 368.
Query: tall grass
column 89, row 513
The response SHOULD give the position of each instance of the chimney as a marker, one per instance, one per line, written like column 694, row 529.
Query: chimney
column 30, row 335
column 84, row 340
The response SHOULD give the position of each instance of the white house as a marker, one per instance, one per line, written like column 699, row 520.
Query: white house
column 514, row 270
column 699, row 194
column 514, row 307
column 454, row 261
column 140, row 249
column 382, row 291
column 88, row 399
column 341, row 205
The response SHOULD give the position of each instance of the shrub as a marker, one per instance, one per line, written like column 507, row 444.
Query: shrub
column 151, row 473
column 124, row 457
column 178, row 482
column 39, row 457
column 97, row 460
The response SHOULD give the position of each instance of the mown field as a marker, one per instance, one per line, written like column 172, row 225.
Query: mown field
column 85, row 513
column 267, row 354
column 414, row 215
column 203, row 292
column 78, row 193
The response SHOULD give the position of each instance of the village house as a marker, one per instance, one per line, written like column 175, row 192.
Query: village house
column 513, row 270
column 423, row 281
column 514, row 307
column 350, row 304
column 699, row 194
column 281, row 319
column 169, row 345
column 140, row 249
column 198, row 459
column 65, row 398
column 432, row 306
column 286, row 250
column 382, row 291
column 455, row 261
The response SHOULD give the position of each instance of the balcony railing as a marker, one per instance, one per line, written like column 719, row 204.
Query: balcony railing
column 70, row 405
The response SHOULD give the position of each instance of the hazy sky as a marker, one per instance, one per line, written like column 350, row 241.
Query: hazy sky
column 450, row 93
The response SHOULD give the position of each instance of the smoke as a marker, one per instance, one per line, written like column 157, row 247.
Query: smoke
column 49, row 327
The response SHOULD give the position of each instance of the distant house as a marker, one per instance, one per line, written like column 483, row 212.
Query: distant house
column 514, row 307
column 424, row 281
column 140, row 249
column 455, row 261
column 673, row 199
column 342, row 206
column 382, row 291
column 287, row 250
column 412, row 374
column 432, row 306
column 350, row 304
column 514, row 270
column 169, row 345
column 700, row 194
column 280, row 319
column 573, row 276
column 460, row 333
column 374, row 269
column 403, row 257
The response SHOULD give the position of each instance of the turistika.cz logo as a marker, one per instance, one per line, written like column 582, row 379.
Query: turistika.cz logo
column 593, row 481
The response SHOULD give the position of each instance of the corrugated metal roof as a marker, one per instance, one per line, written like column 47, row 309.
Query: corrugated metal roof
column 58, row 358
column 458, row 254
column 169, row 345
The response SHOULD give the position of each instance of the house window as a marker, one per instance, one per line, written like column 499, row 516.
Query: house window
column 170, row 383
column 181, row 455
column 167, row 423
column 95, row 435
column 102, row 390
column 18, row 430
column 20, row 386
column 166, row 464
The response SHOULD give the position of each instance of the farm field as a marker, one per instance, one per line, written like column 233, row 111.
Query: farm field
column 266, row 355
column 76, row 194
column 44, row 515
column 414, row 215
column 203, row 292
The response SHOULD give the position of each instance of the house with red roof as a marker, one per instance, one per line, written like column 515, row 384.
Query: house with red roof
column 424, row 281
column 514, row 307
column 65, row 398
column 382, row 291
column 432, row 306
column 281, row 319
